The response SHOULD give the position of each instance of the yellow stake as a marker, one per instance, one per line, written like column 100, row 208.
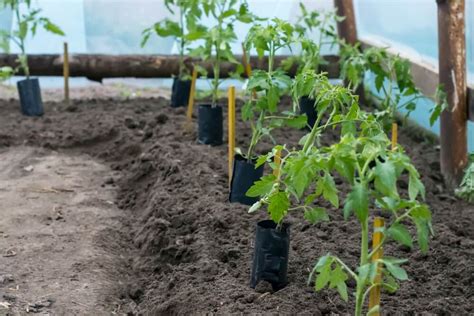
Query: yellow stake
column 394, row 135
column 231, row 120
column 248, row 67
column 66, row 72
column 192, row 92
column 374, row 296
column 277, row 160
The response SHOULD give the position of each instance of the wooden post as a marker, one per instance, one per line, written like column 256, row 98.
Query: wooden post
column 347, row 29
column 231, row 129
column 66, row 72
column 452, row 75
column 374, row 295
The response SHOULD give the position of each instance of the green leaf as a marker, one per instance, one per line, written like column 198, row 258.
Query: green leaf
column 358, row 202
column 262, row 186
column 278, row 206
column 338, row 280
column 329, row 190
column 415, row 187
column 401, row 234
column 51, row 27
column 397, row 271
column 324, row 276
column 386, row 178
column 316, row 215
column 297, row 122
column 422, row 231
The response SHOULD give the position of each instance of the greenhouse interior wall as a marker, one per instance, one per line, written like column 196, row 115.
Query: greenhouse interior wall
column 96, row 26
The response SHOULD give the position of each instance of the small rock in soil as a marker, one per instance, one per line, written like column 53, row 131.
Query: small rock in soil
column 109, row 181
column 161, row 118
column 130, row 123
column 6, row 278
column 9, row 297
column 264, row 287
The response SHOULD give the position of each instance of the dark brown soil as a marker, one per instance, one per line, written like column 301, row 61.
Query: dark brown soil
column 195, row 249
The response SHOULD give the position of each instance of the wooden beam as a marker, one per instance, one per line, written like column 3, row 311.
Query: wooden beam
column 452, row 75
column 96, row 67
column 347, row 28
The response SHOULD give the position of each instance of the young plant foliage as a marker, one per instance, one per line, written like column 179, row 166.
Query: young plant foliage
column 26, row 25
column 185, row 30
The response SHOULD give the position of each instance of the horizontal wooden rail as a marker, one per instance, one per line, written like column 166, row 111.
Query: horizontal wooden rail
column 96, row 67
column 425, row 74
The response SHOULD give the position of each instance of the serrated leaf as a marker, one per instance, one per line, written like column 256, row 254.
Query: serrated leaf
column 297, row 122
column 422, row 231
column 397, row 271
column 316, row 215
column 324, row 276
column 262, row 186
column 386, row 178
column 401, row 234
column 278, row 206
column 358, row 202
column 415, row 187
column 329, row 190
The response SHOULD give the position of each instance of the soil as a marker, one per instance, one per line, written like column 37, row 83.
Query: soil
column 176, row 246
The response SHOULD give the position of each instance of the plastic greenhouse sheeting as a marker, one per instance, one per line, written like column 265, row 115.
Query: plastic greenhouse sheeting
column 114, row 27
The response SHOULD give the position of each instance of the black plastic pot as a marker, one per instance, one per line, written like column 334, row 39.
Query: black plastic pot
column 210, row 121
column 30, row 97
column 180, row 92
column 270, row 260
column 307, row 107
column 244, row 174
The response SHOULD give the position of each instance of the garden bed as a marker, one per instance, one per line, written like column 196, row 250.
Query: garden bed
column 195, row 249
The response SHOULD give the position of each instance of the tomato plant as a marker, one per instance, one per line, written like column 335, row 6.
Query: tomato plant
column 217, row 39
column 185, row 30
column 392, row 80
column 27, row 24
column 372, row 171
column 266, row 87
column 466, row 188
column 322, row 22
column 309, row 166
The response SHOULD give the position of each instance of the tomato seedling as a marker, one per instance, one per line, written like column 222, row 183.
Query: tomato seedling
column 216, row 46
column 26, row 24
column 310, row 165
column 185, row 30
column 266, row 87
column 372, row 171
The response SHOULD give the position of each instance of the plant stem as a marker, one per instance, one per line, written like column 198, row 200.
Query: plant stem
column 182, row 44
column 255, row 137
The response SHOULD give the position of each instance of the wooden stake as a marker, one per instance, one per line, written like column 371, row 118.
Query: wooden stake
column 247, row 66
column 374, row 295
column 189, row 114
column 231, row 99
column 66, row 72
column 394, row 135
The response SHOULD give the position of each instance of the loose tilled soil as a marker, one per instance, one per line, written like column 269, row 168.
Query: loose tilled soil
column 187, row 250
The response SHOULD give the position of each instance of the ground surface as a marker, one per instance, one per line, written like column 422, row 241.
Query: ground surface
column 192, row 249
column 56, row 233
